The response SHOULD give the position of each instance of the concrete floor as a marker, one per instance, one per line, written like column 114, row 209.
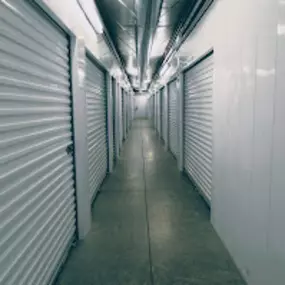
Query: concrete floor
column 149, row 226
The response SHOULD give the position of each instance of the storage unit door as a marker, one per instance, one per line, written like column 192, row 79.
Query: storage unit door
column 158, row 113
column 121, row 117
column 96, row 124
column 149, row 109
column 127, row 113
column 163, row 114
column 133, row 105
column 37, row 205
column 131, row 109
column 114, row 117
column 124, row 112
column 154, row 112
column 198, row 124
column 172, row 118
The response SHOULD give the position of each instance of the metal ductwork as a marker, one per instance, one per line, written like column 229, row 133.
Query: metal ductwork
column 144, row 35
column 193, row 12
column 148, row 14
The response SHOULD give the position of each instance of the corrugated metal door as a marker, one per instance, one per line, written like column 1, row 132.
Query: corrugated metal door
column 124, row 113
column 163, row 114
column 114, row 118
column 151, row 110
column 127, row 113
column 37, row 205
column 158, row 113
column 96, row 125
column 133, row 106
column 130, row 109
column 121, row 118
column 198, row 124
column 149, row 107
column 155, row 111
column 172, row 118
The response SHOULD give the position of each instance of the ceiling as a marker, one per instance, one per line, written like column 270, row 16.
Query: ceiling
column 144, row 33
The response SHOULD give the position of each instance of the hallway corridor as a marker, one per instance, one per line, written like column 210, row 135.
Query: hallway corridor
column 149, row 226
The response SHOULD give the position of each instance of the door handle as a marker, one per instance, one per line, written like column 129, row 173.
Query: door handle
column 69, row 149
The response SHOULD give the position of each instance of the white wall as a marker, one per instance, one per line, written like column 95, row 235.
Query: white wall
column 141, row 106
column 248, row 207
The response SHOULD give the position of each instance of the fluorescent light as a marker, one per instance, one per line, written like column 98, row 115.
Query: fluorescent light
column 92, row 13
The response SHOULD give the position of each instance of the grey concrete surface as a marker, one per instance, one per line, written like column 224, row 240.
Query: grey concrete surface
column 149, row 226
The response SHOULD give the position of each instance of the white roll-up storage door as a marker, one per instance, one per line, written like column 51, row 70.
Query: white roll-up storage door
column 130, row 110
column 198, row 124
column 127, row 113
column 158, row 113
column 96, row 125
column 114, row 118
column 163, row 114
column 121, row 117
column 172, row 118
column 155, row 111
column 149, row 107
column 124, row 113
column 133, row 105
column 37, row 205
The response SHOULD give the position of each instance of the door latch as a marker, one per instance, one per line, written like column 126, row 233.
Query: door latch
column 70, row 149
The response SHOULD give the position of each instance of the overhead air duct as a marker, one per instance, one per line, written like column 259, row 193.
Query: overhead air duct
column 148, row 14
column 194, row 11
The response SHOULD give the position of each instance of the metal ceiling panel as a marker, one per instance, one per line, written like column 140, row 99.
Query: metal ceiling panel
column 120, row 20
column 141, row 28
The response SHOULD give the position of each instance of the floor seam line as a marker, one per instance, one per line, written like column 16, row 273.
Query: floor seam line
column 147, row 218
